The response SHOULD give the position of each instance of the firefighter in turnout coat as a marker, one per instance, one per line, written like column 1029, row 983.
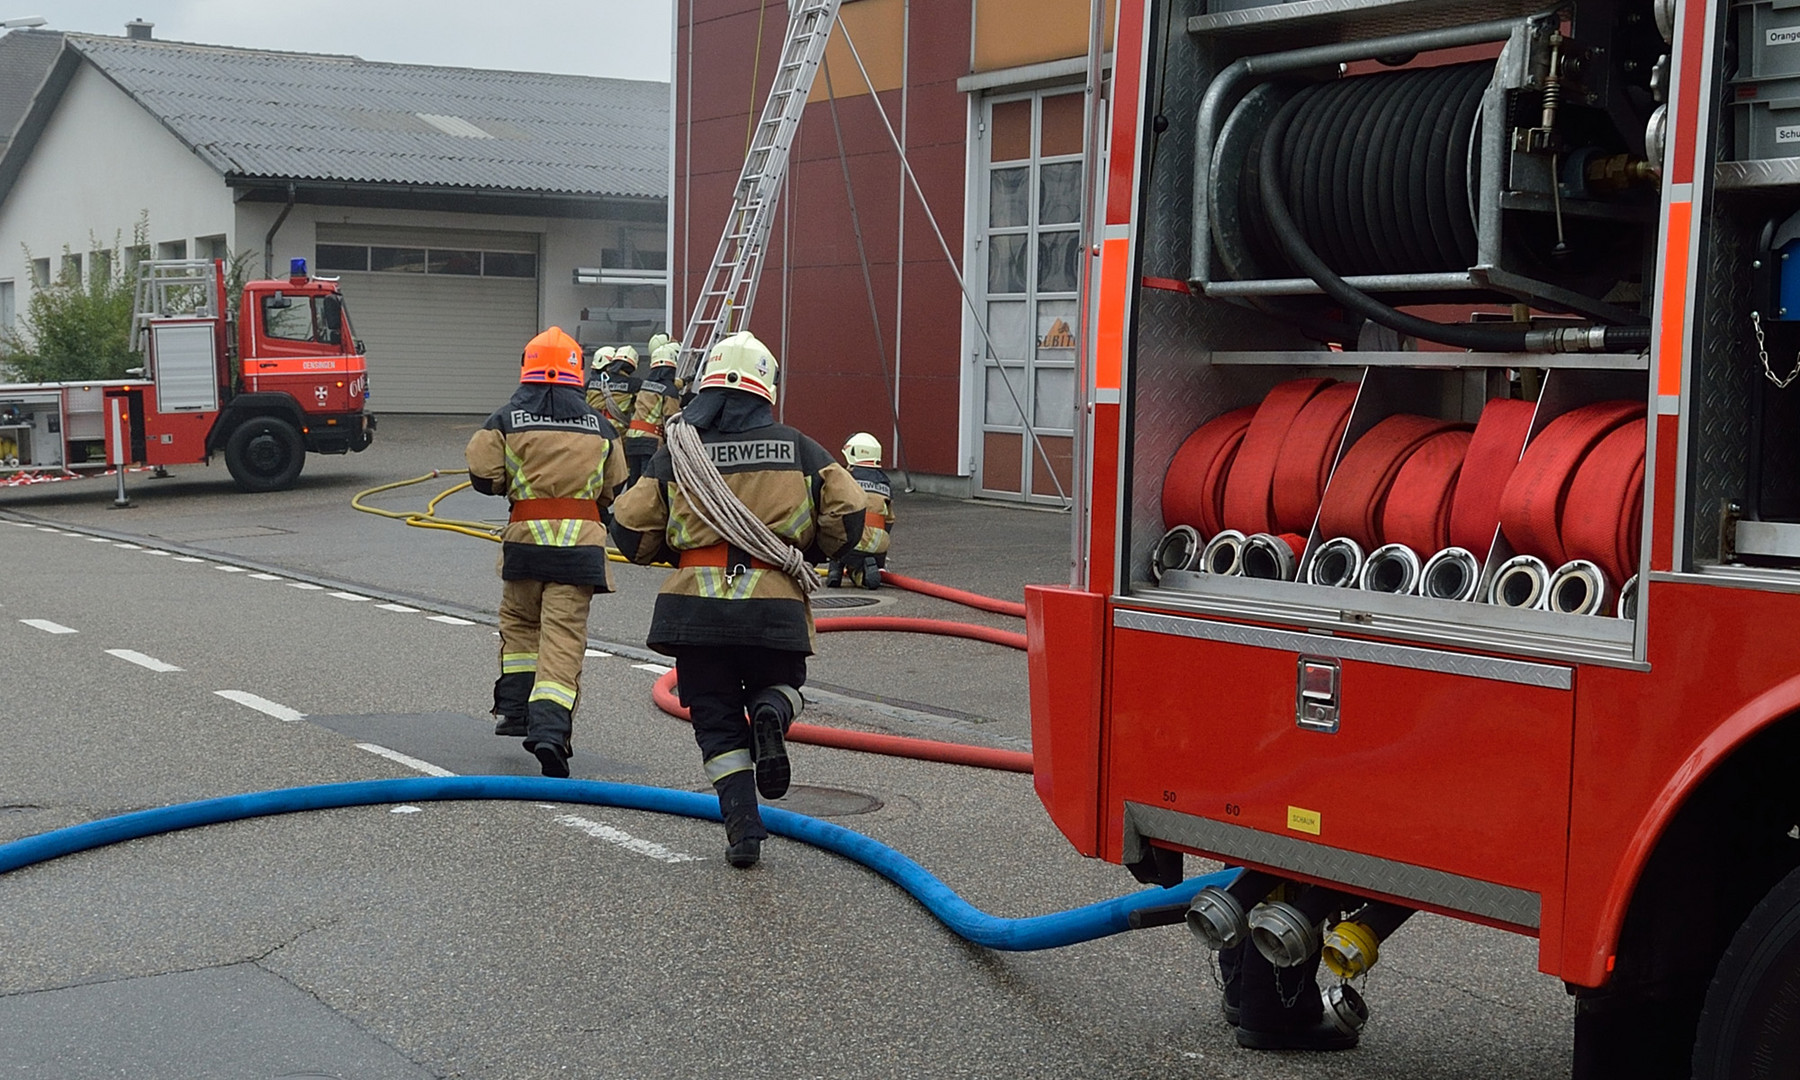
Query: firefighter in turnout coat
column 558, row 462
column 656, row 398
column 612, row 390
column 740, row 628
column 862, row 452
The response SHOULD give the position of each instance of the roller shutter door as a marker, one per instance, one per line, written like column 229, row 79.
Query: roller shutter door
column 437, row 343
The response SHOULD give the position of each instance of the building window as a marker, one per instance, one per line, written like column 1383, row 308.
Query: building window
column 508, row 264
column 40, row 273
column 342, row 257
column 447, row 261
column 136, row 254
column 624, row 313
column 451, row 262
column 100, row 264
column 71, row 269
column 172, row 249
column 8, row 307
column 211, row 247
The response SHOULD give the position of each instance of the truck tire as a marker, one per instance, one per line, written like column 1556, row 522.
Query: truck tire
column 1750, row 1025
column 265, row 454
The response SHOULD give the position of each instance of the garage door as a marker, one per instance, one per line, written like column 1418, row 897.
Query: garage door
column 442, row 314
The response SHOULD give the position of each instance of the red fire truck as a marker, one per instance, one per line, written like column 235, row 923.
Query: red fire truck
column 288, row 378
column 1439, row 510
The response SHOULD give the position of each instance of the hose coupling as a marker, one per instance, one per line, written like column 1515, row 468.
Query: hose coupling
column 1287, row 932
column 1269, row 557
column 1452, row 574
column 1345, row 1008
column 1217, row 914
column 1352, row 947
column 1224, row 554
column 1522, row 582
column 1391, row 568
column 1179, row 549
column 1337, row 563
column 1628, row 598
column 1578, row 587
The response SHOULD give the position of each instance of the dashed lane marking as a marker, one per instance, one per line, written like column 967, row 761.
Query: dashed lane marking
column 304, row 585
column 266, row 577
column 188, row 558
column 93, row 539
column 130, row 547
column 157, row 551
column 598, row 653
column 138, row 658
column 407, row 760
column 231, row 569
column 450, row 620
column 401, row 608
column 349, row 596
column 262, row 705
column 47, row 626
column 660, row 669
column 621, row 838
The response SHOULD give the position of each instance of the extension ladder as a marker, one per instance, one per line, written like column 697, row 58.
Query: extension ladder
column 723, row 306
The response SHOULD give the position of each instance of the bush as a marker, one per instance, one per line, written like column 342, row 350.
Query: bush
column 76, row 329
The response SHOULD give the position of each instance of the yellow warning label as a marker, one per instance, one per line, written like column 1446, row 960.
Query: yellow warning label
column 1306, row 821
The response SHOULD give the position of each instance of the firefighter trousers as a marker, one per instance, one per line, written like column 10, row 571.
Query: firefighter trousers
column 716, row 683
column 543, row 636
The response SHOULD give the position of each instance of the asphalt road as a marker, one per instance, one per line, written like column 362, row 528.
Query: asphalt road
column 519, row 940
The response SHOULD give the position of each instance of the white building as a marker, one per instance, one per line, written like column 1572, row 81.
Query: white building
column 456, row 205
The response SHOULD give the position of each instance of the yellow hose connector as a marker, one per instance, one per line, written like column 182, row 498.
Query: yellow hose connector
column 1350, row 949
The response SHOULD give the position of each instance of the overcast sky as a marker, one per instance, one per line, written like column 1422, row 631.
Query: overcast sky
column 625, row 39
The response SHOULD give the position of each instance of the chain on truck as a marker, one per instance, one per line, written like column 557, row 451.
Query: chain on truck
column 286, row 377
column 1439, row 537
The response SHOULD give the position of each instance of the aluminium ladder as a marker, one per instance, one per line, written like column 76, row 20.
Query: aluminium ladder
column 723, row 306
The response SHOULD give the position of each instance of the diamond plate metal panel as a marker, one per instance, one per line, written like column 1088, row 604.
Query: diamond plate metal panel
column 1517, row 907
column 1724, row 376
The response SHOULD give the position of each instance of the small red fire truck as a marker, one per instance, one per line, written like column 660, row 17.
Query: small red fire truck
column 290, row 377
column 1439, row 495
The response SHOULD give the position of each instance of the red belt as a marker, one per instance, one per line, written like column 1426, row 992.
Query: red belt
column 718, row 556
column 555, row 510
column 1304, row 462
column 1193, row 491
column 1249, row 506
column 1531, row 507
column 1493, row 453
column 1359, row 488
column 1604, row 517
column 1417, row 512
column 645, row 427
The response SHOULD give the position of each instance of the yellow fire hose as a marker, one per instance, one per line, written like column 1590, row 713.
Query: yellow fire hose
column 428, row 519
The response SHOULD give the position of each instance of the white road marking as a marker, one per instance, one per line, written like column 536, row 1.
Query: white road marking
column 450, row 620
column 349, row 596
column 304, row 585
column 266, row 577
column 22, row 524
column 188, row 558
column 231, row 569
column 407, row 760
column 47, row 626
column 401, row 608
column 141, row 660
column 262, row 705
column 660, row 669
column 407, row 810
column 597, row 652
column 129, row 547
column 155, row 551
column 624, row 839
column 98, row 540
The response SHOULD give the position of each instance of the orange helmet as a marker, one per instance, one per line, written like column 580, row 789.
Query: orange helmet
column 552, row 357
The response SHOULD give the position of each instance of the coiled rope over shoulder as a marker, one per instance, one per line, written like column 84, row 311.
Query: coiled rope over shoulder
column 720, row 508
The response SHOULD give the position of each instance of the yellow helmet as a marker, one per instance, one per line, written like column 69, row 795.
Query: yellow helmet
column 740, row 362
column 657, row 341
column 626, row 354
column 665, row 354
column 602, row 356
column 862, row 448
column 552, row 357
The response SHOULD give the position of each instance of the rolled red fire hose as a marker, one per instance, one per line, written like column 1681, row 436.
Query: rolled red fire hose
column 1417, row 511
column 1493, row 452
column 1532, row 505
column 1359, row 488
column 1193, row 491
column 1249, row 502
column 1604, row 517
column 1303, row 464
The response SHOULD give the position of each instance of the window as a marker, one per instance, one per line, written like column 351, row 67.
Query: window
column 136, row 254
column 100, row 263
column 447, row 261
column 71, row 269
column 508, row 264
column 452, row 262
column 172, row 249
column 40, row 273
column 7, row 307
column 298, row 318
column 342, row 257
column 402, row 260
column 211, row 247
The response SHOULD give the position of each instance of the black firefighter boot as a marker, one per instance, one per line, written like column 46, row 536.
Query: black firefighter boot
column 835, row 576
column 772, row 710
column 744, row 831
column 510, row 692
column 1281, row 1008
column 547, row 739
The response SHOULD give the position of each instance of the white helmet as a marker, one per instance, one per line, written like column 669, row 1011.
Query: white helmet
column 626, row 353
column 740, row 362
column 862, row 448
column 657, row 341
column 602, row 356
column 665, row 354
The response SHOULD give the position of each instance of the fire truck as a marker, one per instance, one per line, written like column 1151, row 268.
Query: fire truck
column 1438, row 525
column 284, row 378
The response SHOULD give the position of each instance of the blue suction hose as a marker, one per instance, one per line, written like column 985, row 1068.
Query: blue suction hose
column 1080, row 924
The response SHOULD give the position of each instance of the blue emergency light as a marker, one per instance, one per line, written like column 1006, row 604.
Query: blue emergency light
column 296, row 268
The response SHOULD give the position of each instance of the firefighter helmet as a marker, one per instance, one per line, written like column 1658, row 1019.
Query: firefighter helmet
column 626, row 355
column 665, row 354
column 657, row 341
column 862, row 448
column 552, row 357
column 740, row 362
column 602, row 356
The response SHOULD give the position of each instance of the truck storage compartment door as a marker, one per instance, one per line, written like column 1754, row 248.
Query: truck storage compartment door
column 181, row 357
column 1433, row 776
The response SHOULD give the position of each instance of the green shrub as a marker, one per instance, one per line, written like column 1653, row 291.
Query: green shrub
column 77, row 328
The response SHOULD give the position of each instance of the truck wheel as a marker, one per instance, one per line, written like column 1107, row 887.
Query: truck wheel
column 1750, row 1026
column 265, row 454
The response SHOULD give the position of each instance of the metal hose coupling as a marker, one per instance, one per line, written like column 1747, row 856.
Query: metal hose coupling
column 1269, row 557
column 1345, row 1008
column 1628, row 599
column 1179, row 549
column 1391, row 568
column 1217, row 914
column 1578, row 587
column 1287, row 932
column 1523, row 581
column 1452, row 574
column 1224, row 553
column 1337, row 563
column 1353, row 946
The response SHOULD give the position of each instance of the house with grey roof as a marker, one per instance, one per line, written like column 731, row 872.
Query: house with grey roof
column 462, row 209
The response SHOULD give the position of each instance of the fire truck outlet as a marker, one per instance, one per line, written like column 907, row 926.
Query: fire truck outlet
column 1224, row 553
column 1452, row 574
column 1628, row 598
column 1269, row 557
column 1286, row 932
column 1336, row 564
column 1217, row 914
column 1352, row 947
column 1577, row 588
column 1345, row 1008
column 1179, row 549
column 1391, row 568
column 1522, row 582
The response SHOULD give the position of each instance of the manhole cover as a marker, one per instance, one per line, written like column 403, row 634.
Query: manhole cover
column 824, row 802
column 842, row 601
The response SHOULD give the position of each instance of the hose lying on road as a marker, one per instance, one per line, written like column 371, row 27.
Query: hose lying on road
column 1071, row 927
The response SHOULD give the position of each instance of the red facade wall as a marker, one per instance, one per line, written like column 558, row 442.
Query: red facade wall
column 832, row 380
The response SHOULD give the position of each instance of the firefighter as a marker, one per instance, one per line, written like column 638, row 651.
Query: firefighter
column 758, row 504
column 612, row 389
column 655, row 400
column 558, row 462
column 862, row 452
